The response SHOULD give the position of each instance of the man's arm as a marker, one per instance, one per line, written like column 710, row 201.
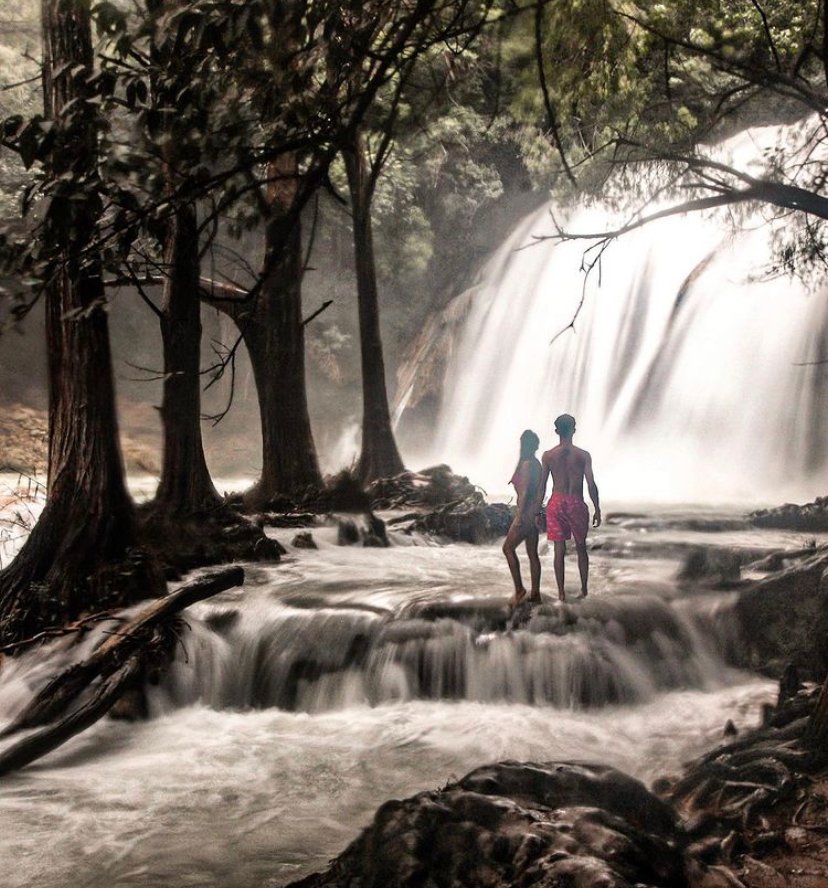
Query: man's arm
column 544, row 480
column 592, row 487
column 540, row 518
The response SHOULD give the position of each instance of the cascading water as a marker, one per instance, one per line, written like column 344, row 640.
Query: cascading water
column 346, row 676
column 594, row 654
column 690, row 369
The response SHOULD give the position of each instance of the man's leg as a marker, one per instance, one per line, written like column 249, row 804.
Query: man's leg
column 560, row 552
column 512, row 541
column 534, row 564
column 583, row 566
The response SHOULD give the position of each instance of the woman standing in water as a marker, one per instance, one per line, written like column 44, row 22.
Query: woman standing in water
column 526, row 481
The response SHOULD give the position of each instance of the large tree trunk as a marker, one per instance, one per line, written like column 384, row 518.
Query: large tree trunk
column 81, row 554
column 185, row 485
column 273, row 332
column 380, row 457
column 275, row 341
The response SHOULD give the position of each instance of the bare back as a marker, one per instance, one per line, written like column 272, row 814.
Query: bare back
column 567, row 464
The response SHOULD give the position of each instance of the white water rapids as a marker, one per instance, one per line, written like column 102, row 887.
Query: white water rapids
column 693, row 373
column 347, row 676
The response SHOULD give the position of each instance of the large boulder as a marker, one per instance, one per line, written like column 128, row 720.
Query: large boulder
column 783, row 618
column 518, row 824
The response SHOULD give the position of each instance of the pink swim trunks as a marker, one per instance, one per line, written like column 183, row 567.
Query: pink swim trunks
column 566, row 515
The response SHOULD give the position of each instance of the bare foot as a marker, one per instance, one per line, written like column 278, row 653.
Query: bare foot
column 517, row 598
column 535, row 598
column 561, row 596
column 583, row 593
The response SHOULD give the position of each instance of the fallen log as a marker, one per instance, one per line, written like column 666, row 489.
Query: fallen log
column 45, row 740
column 53, row 700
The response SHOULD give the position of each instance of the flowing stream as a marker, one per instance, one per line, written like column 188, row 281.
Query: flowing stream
column 347, row 676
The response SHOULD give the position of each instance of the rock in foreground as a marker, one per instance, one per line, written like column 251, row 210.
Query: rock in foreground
column 518, row 824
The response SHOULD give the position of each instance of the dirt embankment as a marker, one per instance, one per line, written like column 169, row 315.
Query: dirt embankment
column 23, row 444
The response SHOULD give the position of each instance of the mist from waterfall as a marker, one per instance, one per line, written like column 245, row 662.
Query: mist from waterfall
column 687, row 367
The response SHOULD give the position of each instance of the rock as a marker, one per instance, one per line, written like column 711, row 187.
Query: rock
column 756, row 874
column 797, row 838
column 514, row 824
column 435, row 486
column 730, row 730
column 347, row 533
column 466, row 522
column 304, row 541
column 717, row 567
column 790, row 516
column 367, row 530
column 783, row 619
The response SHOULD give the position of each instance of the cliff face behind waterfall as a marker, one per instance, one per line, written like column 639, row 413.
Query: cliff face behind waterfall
column 691, row 366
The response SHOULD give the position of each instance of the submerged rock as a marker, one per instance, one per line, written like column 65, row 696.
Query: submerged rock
column 304, row 540
column 367, row 530
column 719, row 568
column 519, row 824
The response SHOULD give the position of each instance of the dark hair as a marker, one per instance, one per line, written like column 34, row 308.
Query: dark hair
column 565, row 425
column 529, row 443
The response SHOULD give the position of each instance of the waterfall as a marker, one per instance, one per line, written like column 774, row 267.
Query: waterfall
column 600, row 652
column 687, row 367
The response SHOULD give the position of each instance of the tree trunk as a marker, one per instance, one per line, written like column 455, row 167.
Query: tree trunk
column 273, row 332
column 380, row 457
column 185, row 485
column 76, row 557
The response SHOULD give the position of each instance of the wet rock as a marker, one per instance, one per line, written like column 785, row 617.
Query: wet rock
column 465, row 522
column 435, row 486
column 791, row 516
column 367, row 530
column 730, row 730
column 514, row 824
column 221, row 621
column 719, row 568
column 304, row 541
column 347, row 533
column 287, row 519
column 783, row 618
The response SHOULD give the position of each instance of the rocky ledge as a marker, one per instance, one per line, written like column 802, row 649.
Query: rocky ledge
column 519, row 824
column 810, row 517
column 749, row 814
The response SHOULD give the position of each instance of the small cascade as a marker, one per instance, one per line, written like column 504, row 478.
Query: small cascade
column 596, row 653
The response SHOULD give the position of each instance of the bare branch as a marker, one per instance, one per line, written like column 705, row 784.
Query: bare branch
column 318, row 312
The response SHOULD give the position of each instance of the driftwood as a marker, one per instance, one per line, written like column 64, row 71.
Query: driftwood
column 116, row 663
column 46, row 739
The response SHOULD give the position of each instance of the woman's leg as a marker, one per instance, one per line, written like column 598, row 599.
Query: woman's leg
column 513, row 539
column 534, row 563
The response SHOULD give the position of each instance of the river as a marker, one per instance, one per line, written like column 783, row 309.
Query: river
column 343, row 677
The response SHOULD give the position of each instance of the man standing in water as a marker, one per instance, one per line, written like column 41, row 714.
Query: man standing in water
column 566, row 512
